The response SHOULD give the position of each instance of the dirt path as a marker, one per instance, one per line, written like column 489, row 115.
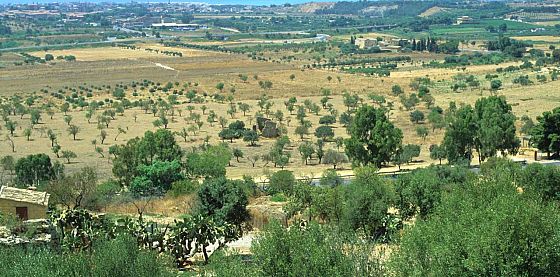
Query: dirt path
column 164, row 66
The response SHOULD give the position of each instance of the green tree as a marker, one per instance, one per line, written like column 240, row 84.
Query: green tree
column 350, row 101
column 306, row 150
column 223, row 200
column 436, row 119
column 251, row 137
column 119, row 93
column 253, row 159
column 52, row 136
column 320, row 149
column 495, row 84
column 65, row 107
column 327, row 120
column 334, row 158
column 397, row 90
column 421, row 191
column 495, row 128
column 27, row 133
column 8, row 163
column 416, row 116
column 409, row 102
column 223, row 121
column 306, row 251
column 541, row 180
column 68, row 119
column 244, row 107
column 11, row 126
column 228, row 134
column 324, row 132
column 103, row 136
column 459, row 139
column 160, row 146
column 367, row 203
column 282, row 181
column 546, row 133
column 35, row 116
column 406, row 154
column 373, row 138
column 437, row 152
column 34, row 168
column 156, row 178
column 237, row 153
column 422, row 132
column 68, row 155
column 73, row 130
column 423, row 91
column 99, row 151
column 300, row 116
column 209, row 163
column 56, row 150
column 220, row 87
column 330, row 178
column 89, row 115
column 78, row 190
column 265, row 84
column 303, row 129
column 527, row 125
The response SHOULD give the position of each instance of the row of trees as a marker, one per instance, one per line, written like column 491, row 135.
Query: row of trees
column 32, row 170
column 488, row 128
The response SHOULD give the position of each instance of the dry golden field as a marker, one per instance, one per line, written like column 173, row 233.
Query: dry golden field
column 433, row 11
column 548, row 23
column 552, row 39
column 112, row 65
column 116, row 53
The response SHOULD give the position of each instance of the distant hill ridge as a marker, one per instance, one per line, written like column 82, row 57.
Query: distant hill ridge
column 315, row 6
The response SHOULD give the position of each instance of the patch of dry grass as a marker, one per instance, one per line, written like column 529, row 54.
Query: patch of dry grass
column 432, row 11
column 553, row 39
column 167, row 206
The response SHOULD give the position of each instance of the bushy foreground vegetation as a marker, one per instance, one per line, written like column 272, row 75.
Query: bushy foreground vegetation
column 498, row 224
column 119, row 257
column 501, row 221
column 312, row 250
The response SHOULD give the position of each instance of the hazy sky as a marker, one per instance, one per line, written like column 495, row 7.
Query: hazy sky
column 263, row 2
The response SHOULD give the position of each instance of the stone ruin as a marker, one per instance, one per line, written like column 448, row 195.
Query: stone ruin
column 35, row 232
column 267, row 127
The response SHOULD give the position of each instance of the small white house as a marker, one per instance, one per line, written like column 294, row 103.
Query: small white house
column 24, row 203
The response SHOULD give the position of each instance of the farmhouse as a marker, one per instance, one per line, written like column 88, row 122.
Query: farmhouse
column 394, row 44
column 398, row 42
column 365, row 43
column 24, row 203
column 465, row 19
